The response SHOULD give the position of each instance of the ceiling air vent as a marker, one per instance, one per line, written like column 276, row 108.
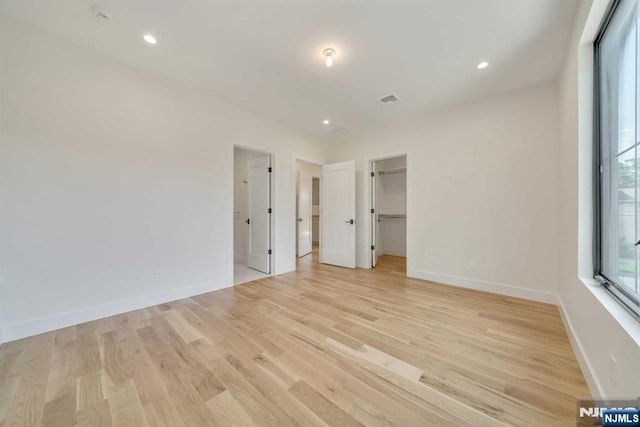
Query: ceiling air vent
column 389, row 99
column 101, row 14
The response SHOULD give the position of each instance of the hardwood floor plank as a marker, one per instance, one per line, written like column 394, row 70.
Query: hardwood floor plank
column 227, row 412
column 60, row 411
column 124, row 404
column 98, row 415
column 186, row 331
column 163, row 413
column 89, row 390
column 168, row 366
column 28, row 400
column 322, row 407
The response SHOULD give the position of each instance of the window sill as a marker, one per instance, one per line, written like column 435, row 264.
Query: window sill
column 625, row 319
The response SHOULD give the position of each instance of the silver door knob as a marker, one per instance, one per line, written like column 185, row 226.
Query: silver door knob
column 349, row 221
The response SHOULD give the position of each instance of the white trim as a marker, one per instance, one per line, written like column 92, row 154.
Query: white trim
column 231, row 200
column 585, row 366
column 367, row 202
column 285, row 268
column 623, row 318
column 481, row 285
column 230, row 217
column 62, row 320
column 363, row 263
column 316, row 162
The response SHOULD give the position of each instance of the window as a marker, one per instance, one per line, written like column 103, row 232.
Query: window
column 617, row 241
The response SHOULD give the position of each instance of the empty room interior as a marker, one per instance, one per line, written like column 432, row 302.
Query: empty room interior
column 319, row 212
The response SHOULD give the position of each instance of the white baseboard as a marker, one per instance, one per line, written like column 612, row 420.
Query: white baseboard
column 14, row 331
column 585, row 366
column 481, row 285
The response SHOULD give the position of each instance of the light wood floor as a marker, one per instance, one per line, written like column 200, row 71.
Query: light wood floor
column 322, row 346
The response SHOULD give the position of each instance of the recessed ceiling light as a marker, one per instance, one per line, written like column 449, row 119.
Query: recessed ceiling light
column 328, row 56
column 483, row 65
column 150, row 39
column 326, row 121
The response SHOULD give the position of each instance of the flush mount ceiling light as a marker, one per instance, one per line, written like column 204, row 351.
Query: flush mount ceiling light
column 328, row 56
column 483, row 65
column 326, row 121
column 150, row 39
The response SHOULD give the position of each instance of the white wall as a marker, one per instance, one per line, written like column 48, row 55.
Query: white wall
column 597, row 326
column 116, row 186
column 482, row 186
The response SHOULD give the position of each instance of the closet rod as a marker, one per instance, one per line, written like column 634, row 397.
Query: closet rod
column 399, row 170
column 392, row 216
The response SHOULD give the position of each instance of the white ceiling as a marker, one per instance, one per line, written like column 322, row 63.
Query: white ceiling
column 265, row 55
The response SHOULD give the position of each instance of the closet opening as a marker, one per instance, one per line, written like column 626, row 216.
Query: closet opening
column 252, row 215
column 388, row 208
column 308, row 176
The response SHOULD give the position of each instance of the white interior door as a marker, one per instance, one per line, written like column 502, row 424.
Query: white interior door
column 305, row 184
column 374, row 216
column 258, row 207
column 339, row 214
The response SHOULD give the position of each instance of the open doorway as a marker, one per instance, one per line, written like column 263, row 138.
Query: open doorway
column 307, row 207
column 252, row 223
column 388, row 208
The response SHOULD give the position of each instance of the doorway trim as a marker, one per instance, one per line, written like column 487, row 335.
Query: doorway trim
column 317, row 162
column 231, row 220
column 367, row 205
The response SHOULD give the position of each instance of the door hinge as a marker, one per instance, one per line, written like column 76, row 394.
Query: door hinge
column 372, row 247
column 270, row 169
column 373, row 174
column 269, row 252
column 373, row 210
column 601, row 169
column 269, row 210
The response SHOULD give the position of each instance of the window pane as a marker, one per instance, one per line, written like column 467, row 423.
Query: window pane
column 618, row 80
column 619, row 150
column 625, row 267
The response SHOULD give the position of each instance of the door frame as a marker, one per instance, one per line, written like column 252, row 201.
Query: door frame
column 317, row 162
column 231, row 220
column 367, row 204
column 309, row 219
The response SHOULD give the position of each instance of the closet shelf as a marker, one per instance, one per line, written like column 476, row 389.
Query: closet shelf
column 388, row 171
